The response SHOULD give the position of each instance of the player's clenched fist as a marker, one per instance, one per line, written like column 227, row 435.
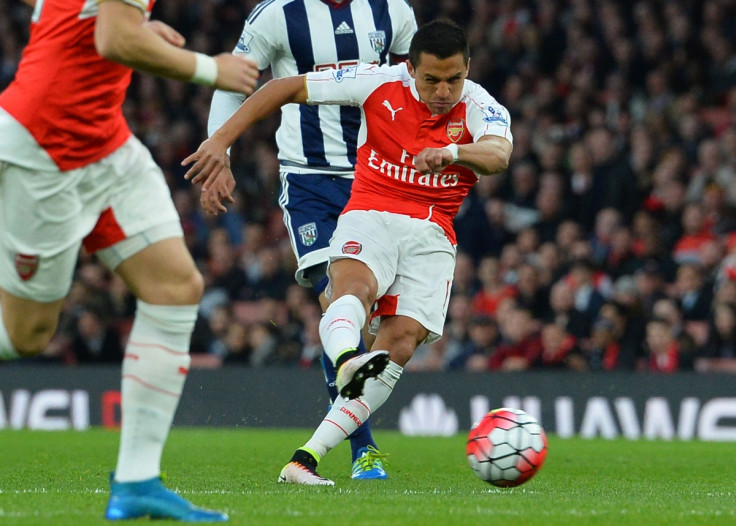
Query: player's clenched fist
column 431, row 160
column 236, row 73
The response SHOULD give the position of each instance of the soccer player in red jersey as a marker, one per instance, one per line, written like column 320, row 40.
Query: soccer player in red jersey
column 72, row 174
column 427, row 135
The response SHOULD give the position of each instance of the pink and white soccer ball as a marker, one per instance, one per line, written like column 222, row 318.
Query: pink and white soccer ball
column 507, row 447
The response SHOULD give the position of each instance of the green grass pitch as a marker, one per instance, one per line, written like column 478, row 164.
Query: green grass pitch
column 60, row 478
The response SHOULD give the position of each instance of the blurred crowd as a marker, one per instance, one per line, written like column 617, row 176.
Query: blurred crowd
column 609, row 244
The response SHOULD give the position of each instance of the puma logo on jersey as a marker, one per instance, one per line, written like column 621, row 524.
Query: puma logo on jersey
column 389, row 108
column 344, row 29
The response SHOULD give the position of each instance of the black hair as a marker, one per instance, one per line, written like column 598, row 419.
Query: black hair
column 442, row 38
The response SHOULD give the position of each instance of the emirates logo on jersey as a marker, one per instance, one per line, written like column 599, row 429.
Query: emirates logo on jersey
column 455, row 130
column 26, row 265
column 352, row 247
column 406, row 172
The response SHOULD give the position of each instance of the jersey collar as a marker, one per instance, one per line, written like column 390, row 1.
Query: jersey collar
column 336, row 5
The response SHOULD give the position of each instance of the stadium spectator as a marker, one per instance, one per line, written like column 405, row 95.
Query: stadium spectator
column 694, row 292
column 696, row 233
column 719, row 353
column 559, row 350
column 586, row 285
column 483, row 338
column 563, row 311
column 602, row 350
column 456, row 337
column 530, row 293
column 662, row 346
column 493, row 289
column 628, row 329
column 521, row 345
column 95, row 340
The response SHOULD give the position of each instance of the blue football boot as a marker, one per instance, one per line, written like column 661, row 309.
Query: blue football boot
column 369, row 464
column 151, row 499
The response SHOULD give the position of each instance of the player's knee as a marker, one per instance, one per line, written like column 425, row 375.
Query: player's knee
column 192, row 288
column 182, row 288
column 361, row 291
column 32, row 340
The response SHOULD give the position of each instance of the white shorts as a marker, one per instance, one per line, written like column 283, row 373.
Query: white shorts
column 412, row 259
column 115, row 207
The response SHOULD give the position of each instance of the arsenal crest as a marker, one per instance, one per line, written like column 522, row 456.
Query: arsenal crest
column 352, row 247
column 455, row 130
column 26, row 265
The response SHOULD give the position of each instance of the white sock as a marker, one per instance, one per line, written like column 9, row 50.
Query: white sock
column 346, row 416
column 7, row 350
column 154, row 369
column 339, row 328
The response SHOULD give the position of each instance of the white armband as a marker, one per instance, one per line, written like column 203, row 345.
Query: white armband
column 205, row 71
column 452, row 147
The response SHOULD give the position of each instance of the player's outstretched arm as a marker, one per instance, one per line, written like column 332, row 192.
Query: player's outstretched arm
column 490, row 155
column 122, row 35
column 211, row 157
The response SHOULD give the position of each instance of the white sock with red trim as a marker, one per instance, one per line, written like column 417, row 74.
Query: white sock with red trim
column 339, row 328
column 346, row 416
column 154, row 369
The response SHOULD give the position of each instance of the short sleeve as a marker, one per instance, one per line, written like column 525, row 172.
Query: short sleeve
column 255, row 41
column 406, row 26
column 348, row 86
column 486, row 116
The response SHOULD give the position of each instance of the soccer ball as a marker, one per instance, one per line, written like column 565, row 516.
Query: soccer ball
column 507, row 447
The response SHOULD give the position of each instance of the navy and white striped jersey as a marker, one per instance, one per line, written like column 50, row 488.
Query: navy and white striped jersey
column 298, row 36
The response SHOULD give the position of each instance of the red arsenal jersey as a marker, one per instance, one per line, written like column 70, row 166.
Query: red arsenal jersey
column 67, row 96
column 396, row 127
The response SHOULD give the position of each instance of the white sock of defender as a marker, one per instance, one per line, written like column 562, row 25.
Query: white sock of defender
column 7, row 350
column 346, row 416
column 154, row 369
column 339, row 328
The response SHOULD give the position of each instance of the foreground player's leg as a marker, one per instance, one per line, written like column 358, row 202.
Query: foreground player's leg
column 342, row 420
column 154, row 370
column 168, row 287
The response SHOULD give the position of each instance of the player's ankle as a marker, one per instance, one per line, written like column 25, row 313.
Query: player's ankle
column 346, row 355
column 305, row 458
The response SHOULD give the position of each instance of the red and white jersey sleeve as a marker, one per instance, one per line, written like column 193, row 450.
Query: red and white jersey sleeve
column 396, row 127
column 67, row 97
column 485, row 116
column 349, row 86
